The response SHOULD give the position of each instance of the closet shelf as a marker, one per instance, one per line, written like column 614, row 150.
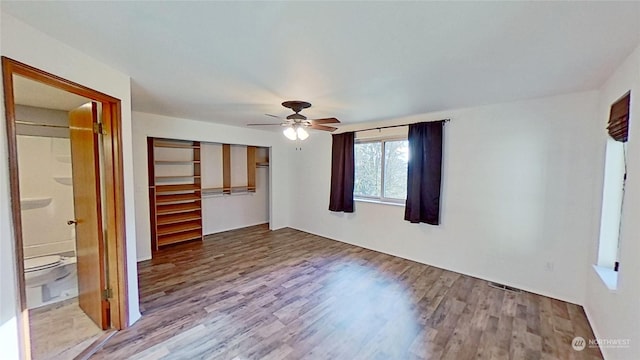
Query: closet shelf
column 175, row 195
column 176, row 188
column 243, row 189
column 34, row 203
column 64, row 180
column 178, row 218
column 176, row 144
column 180, row 237
column 228, row 190
column 176, row 162
column 168, row 177
column 214, row 189
column 177, row 208
column 178, row 228
column 177, row 198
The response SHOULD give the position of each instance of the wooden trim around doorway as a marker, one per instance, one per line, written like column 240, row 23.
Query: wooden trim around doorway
column 114, row 188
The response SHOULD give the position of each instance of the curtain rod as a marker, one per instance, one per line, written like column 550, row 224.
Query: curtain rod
column 393, row 126
column 31, row 123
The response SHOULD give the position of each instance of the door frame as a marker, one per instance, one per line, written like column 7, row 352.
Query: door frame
column 114, row 188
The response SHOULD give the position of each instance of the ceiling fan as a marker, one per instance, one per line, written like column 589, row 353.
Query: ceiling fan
column 296, row 123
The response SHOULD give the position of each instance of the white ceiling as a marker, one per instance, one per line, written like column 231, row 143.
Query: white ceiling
column 231, row 62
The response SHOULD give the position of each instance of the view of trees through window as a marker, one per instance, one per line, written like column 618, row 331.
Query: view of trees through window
column 369, row 162
column 396, row 156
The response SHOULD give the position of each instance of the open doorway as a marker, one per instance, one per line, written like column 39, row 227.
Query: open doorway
column 67, row 207
column 49, row 165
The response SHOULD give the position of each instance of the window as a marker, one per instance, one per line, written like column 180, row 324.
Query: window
column 615, row 174
column 612, row 199
column 381, row 170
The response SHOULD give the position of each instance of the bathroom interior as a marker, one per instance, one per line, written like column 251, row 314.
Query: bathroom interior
column 59, row 329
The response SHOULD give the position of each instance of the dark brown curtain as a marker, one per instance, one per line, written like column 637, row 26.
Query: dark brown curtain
column 618, row 126
column 424, row 173
column 342, row 172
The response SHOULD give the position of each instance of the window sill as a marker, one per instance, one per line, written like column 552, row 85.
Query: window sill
column 608, row 277
column 373, row 201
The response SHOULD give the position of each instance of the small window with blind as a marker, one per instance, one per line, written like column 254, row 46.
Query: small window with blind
column 615, row 176
column 618, row 127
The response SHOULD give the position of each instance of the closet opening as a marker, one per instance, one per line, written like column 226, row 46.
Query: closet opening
column 201, row 188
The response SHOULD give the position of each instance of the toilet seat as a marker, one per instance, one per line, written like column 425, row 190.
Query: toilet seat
column 41, row 263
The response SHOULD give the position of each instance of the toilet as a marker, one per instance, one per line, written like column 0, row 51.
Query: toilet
column 49, row 279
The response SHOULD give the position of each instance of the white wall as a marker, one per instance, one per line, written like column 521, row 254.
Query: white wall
column 517, row 194
column 151, row 125
column 44, row 160
column 228, row 212
column 41, row 161
column 25, row 44
column 238, row 162
column 616, row 314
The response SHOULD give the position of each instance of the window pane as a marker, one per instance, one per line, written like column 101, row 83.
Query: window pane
column 368, row 158
column 396, row 155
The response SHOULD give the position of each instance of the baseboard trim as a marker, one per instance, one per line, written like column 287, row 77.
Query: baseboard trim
column 489, row 279
column 236, row 228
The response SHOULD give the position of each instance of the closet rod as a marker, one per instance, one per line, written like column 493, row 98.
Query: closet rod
column 393, row 126
column 31, row 123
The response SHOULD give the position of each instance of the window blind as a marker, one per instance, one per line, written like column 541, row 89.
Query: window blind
column 618, row 126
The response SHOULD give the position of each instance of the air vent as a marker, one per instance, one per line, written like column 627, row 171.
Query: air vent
column 504, row 287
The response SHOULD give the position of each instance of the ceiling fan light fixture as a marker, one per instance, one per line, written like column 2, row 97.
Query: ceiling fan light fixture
column 302, row 133
column 296, row 124
column 290, row 133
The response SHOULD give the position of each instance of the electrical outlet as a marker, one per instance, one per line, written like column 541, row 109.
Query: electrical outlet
column 549, row 266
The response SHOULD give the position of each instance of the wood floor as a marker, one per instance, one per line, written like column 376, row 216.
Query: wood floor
column 60, row 331
column 286, row 294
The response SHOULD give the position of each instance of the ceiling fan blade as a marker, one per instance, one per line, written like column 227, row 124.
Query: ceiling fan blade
column 263, row 124
column 324, row 121
column 274, row 116
column 324, row 128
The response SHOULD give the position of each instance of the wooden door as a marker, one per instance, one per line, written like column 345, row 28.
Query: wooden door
column 87, row 205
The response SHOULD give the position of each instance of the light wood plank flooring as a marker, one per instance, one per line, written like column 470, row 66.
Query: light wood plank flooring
column 286, row 294
column 60, row 331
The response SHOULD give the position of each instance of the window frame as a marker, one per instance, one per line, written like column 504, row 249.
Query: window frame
column 609, row 247
column 380, row 199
